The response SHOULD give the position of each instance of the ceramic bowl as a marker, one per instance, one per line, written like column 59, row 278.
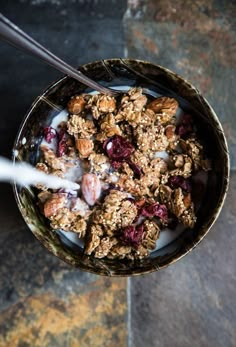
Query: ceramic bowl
column 118, row 72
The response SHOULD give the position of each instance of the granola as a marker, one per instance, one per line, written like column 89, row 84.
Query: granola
column 134, row 160
column 83, row 128
column 151, row 139
column 108, row 128
column 117, row 212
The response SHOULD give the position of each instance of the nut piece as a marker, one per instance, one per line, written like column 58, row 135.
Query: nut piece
column 187, row 200
column 55, row 203
column 178, row 206
column 139, row 103
column 53, row 162
column 151, row 234
column 179, row 160
column 164, row 106
column 119, row 251
column 79, row 226
column 106, row 104
column 76, row 104
column 91, row 188
column 170, row 133
column 84, row 146
column 108, row 128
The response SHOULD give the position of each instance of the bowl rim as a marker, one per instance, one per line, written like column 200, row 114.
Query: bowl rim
column 225, row 184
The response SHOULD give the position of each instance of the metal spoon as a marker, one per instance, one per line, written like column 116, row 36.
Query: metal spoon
column 10, row 33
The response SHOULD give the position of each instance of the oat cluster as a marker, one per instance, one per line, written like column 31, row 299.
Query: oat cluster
column 134, row 160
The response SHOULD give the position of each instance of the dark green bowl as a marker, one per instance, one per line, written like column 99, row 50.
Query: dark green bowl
column 115, row 72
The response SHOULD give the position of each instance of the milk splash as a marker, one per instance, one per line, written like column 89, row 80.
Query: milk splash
column 26, row 175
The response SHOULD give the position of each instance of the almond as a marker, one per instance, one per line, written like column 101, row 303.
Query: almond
column 91, row 188
column 84, row 146
column 55, row 203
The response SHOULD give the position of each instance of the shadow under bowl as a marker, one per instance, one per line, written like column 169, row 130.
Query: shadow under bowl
column 124, row 72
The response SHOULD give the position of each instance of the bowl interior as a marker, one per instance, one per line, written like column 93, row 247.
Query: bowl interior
column 118, row 72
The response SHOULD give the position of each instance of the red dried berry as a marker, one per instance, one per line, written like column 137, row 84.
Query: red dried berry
column 187, row 119
column 62, row 145
column 136, row 169
column 116, row 164
column 186, row 126
column 132, row 236
column 179, row 181
column 118, row 148
column 49, row 134
column 155, row 210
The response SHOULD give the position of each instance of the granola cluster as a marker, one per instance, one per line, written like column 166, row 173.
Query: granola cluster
column 134, row 159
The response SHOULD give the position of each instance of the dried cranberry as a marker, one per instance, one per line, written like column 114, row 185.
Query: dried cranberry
column 62, row 145
column 118, row 148
column 186, row 126
column 49, row 134
column 132, row 236
column 155, row 210
column 136, row 169
column 184, row 130
column 116, row 164
column 179, row 181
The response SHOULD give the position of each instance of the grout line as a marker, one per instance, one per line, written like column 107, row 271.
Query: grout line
column 129, row 314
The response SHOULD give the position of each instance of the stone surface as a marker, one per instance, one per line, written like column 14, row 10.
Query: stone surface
column 196, row 39
column 193, row 301
column 88, row 314
column 45, row 302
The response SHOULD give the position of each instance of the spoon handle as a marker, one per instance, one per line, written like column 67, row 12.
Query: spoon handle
column 10, row 33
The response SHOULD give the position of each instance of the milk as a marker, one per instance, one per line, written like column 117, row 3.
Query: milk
column 26, row 175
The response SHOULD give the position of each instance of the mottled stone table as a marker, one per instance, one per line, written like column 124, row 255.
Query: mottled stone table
column 43, row 302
